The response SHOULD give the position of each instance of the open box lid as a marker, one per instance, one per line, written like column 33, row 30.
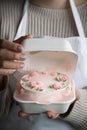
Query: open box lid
column 50, row 54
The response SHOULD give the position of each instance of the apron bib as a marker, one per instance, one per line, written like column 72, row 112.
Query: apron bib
column 79, row 44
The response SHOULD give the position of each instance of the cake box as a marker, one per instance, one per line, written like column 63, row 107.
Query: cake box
column 54, row 60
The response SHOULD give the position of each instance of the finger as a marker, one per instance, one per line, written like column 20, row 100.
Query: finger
column 11, row 45
column 10, row 55
column 52, row 115
column 11, row 64
column 6, row 71
column 23, row 114
column 23, row 38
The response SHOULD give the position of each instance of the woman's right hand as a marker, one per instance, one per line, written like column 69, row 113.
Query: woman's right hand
column 9, row 53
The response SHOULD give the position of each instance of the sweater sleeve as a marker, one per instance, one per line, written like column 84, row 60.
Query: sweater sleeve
column 78, row 115
column 5, row 97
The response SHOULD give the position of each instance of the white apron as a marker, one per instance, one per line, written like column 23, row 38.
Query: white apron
column 79, row 44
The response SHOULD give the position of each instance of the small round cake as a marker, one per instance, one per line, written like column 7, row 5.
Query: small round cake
column 45, row 87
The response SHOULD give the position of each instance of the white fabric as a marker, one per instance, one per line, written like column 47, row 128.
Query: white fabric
column 22, row 26
column 80, row 46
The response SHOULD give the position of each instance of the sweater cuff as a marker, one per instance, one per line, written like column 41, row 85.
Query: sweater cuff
column 78, row 115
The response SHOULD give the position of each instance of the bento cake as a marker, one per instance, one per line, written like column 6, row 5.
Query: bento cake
column 46, row 87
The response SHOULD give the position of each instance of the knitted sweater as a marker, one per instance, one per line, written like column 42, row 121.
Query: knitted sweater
column 43, row 21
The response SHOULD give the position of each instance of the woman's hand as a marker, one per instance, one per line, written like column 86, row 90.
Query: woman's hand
column 9, row 53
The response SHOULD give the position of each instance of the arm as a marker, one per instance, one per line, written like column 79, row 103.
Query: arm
column 8, row 53
column 7, row 67
column 78, row 114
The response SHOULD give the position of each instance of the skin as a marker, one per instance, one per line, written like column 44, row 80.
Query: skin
column 55, row 4
column 9, row 53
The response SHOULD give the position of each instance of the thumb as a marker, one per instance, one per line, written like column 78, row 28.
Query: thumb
column 52, row 115
column 19, row 40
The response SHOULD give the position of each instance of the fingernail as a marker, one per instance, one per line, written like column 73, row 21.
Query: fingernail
column 19, row 49
column 21, row 65
column 13, row 70
column 22, row 57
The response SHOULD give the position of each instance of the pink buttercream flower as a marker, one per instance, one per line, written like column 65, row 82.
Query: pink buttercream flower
column 54, row 74
column 32, row 84
column 63, row 78
column 39, row 89
column 39, row 83
column 34, row 74
column 56, row 86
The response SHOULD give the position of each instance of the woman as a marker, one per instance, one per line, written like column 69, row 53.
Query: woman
column 45, row 17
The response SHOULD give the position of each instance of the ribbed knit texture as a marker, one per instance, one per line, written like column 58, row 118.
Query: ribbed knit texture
column 41, row 21
column 52, row 22
column 78, row 115
column 10, row 16
column 56, row 22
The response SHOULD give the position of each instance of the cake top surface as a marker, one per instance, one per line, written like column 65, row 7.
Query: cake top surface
column 45, row 82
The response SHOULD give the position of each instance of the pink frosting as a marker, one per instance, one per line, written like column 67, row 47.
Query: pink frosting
column 56, row 85
column 39, row 83
column 34, row 74
column 39, row 88
column 63, row 78
column 35, row 83
column 54, row 74
column 32, row 84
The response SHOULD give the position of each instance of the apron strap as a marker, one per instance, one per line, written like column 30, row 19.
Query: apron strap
column 77, row 19
column 22, row 26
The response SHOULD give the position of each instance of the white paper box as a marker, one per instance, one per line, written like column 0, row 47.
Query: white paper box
column 53, row 52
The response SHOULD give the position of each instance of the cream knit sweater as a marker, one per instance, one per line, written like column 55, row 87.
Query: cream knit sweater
column 41, row 21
